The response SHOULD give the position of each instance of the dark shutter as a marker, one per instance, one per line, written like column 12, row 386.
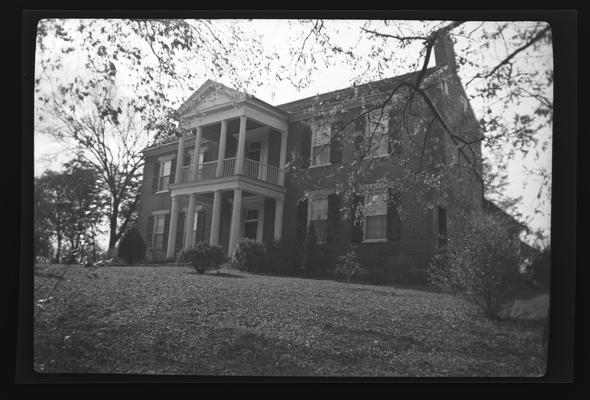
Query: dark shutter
column 394, row 135
column 156, row 177
column 333, row 218
column 359, row 139
column 172, row 172
column 166, row 231
column 357, row 223
column 306, row 146
column 301, row 220
column 180, row 232
column 150, row 231
column 393, row 219
column 336, row 143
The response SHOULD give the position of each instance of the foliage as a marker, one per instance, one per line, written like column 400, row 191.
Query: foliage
column 347, row 265
column 249, row 256
column 203, row 257
column 283, row 258
column 318, row 259
column 483, row 266
column 403, row 269
column 67, row 207
column 132, row 247
column 539, row 271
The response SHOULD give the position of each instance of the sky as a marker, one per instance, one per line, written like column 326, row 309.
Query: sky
column 275, row 33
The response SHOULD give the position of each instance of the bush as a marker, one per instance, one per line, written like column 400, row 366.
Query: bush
column 318, row 259
column 347, row 266
column 374, row 276
column 283, row 258
column 249, row 256
column 131, row 247
column 203, row 257
column 483, row 266
column 403, row 269
column 539, row 271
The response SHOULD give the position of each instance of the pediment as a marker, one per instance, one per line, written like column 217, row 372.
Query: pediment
column 210, row 96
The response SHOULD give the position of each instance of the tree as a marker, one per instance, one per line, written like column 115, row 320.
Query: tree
column 482, row 266
column 67, row 206
column 514, row 91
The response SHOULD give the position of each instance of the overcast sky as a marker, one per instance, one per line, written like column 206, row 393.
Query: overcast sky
column 275, row 33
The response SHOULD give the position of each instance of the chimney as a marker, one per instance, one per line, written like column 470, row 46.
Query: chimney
column 444, row 54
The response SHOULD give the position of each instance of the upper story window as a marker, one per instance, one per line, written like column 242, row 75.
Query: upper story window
column 318, row 217
column 376, row 215
column 376, row 133
column 320, row 145
column 165, row 172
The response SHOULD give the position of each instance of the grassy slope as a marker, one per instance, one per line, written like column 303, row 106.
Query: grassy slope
column 169, row 320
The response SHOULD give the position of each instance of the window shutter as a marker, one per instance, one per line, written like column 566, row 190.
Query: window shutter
column 357, row 224
column 333, row 218
column 166, row 231
column 156, row 177
column 336, row 143
column 302, row 220
column 359, row 139
column 180, row 232
column 393, row 219
column 306, row 146
column 172, row 171
column 201, row 224
column 150, row 231
column 394, row 135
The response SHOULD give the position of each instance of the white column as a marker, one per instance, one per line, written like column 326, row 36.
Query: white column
column 197, row 153
column 278, row 219
column 264, row 148
column 215, row 219
column 234, row 231
column 190, row 221
column 179, row 160
column 172, row 227
column 241, row 146
column 283, row 158
column 221, row 153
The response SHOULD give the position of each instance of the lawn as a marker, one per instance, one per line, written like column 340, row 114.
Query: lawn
column 170, row 320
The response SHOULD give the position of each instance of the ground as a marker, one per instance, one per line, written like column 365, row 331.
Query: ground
column 170, row 320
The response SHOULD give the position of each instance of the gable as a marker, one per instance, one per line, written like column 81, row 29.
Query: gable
column 209, row 96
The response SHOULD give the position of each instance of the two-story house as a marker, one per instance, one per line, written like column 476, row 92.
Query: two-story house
column 226, row 179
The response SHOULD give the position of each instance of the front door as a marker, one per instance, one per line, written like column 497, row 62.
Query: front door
column 253, row 153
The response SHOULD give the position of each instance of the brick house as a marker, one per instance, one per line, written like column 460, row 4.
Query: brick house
column 226, row 179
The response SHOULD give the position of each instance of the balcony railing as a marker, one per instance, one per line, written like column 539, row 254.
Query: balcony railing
column 252, row 169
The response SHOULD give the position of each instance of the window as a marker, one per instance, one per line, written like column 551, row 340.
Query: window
column 158, row 238
column 319, row 217
column 320, row 143
column 254, row 150
column 376, row 216
column 165, row 171
column 377, row 132
column 199, row 225
column 251, row 224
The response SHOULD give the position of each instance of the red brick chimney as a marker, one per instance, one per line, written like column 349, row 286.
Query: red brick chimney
column 444, row 54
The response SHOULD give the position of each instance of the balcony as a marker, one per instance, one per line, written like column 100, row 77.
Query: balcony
column 253, row 169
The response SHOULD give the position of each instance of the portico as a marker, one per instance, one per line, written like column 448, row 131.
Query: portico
column 231, row 166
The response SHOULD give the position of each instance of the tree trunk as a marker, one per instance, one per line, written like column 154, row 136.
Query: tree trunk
column 113, row 226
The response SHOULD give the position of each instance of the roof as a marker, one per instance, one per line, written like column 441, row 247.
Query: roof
column 370, row 88
column 492, row 207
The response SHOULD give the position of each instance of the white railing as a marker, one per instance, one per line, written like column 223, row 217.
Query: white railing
column 252, row 169
column 208, row 170
column 229, row 166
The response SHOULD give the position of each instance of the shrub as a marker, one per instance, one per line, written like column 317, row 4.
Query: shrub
column 403, row 269
column 318, row 259
column 283, row 258
column 249, row 256
column 347, row 266
column 374, row 276
column 203, row 257
column 131, row 247
column 539, row 271
column 482, row 266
